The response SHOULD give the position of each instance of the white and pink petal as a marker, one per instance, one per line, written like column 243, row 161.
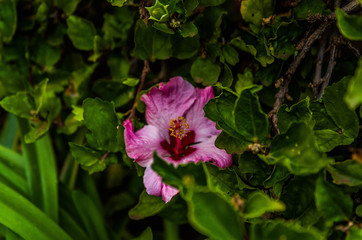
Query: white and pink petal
column 140, row 145
column 167, row 102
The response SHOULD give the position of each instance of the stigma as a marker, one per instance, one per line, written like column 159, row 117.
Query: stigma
column 179, row 127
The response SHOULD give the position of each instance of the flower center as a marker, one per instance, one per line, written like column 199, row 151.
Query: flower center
column 180, row 139
column 179, row 127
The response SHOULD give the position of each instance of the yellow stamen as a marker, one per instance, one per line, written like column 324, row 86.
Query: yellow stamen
column 179, row 127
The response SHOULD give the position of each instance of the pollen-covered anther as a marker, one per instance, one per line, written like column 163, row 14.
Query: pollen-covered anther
column 179, row 127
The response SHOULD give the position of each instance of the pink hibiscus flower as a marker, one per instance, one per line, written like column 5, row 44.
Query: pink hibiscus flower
column 177, row 130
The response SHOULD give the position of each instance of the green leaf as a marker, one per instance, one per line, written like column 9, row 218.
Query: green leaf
column 91, row 216
column 81, row 32
column 8, row 20
column 332, row 202
column 221, row 180
column 162, row 27
column 309, row 8
column 276, row 230
column 183, row 48
column 12, row 79
column 245, row 80
column 204, row 71
column 146, row 235
column 219, row 110
column 101, row 120
column 327, row 133
column 354, row 233
column 230, row 54
column 183, row 175
column 258, row 203
column 359, row 210
column 25, row 219
column 150, row 43
column 147, row 206
column 350, row 26
column 20, row 104
column 338, row 110
column 119, row 66
column 230, row 143
column 353, row 96
column 210, row 3
column 188, row 29
column 298, row 196
column 132, row 82
column 348, row 172
column 299, row 112
column 117, row 3
column 253, row 11
column 296, row 149
column 68, row 6
column 89, row 159
column 213, row 216
column 250, row 121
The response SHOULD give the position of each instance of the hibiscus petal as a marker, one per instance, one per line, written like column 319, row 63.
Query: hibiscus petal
column 155, row 186
column 141, row 145
column 206, row 151
column 152, row 182
column 195, row 116
column 168, row 192
column 167, row 102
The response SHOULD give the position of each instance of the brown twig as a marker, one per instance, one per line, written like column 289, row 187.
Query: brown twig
column 352, row 48
column 284, row 81
column 327, row 76
column 146, row 69
column 319, row 65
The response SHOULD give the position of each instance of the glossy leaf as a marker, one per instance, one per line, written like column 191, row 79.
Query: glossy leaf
column 258, row 203
column 349, row 25
column 147, row 206
column 68, row 6
column 81, row 32
column 275, row 230
column 213, row 216
column 296, row 149
column 150, row 43
column 353, row 97
column 299, row 112
column 348, row 172
column 100, row 118
column 332, row 202
column 8, row 20
column 204, row 71
column 250, row 121
column 338, row 110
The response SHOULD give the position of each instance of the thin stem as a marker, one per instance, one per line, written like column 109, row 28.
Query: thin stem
column 319, row 65
column 146, row 69
column 328, row 74
column 171, row 230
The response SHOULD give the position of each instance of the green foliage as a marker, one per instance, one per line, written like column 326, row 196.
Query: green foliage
column 349, row 25
column 72, row 72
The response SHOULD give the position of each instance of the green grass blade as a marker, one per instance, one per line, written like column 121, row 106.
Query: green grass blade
column 8, row 133
column 71, row 226
column 13, row 180
column 91, row 217
column 12, row 159
column 25, row 219
column 41, row 171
